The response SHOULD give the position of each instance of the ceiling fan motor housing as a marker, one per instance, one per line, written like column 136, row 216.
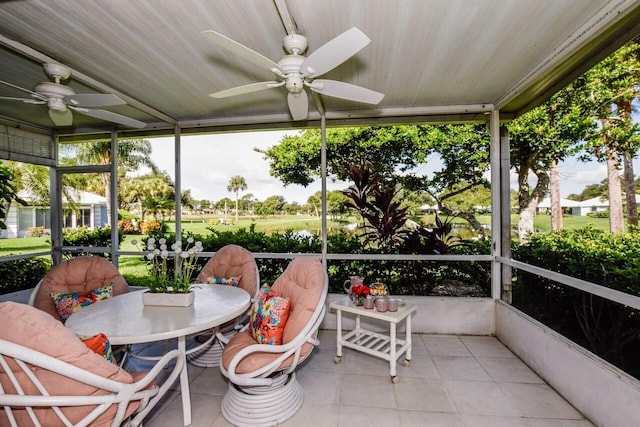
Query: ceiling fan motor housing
column 290, row 66
column 295, row 44
column 54, row 93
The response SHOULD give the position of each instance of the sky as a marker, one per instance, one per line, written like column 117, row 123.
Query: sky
column 209, row 162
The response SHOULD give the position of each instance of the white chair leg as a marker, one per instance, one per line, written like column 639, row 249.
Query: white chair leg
column 263, row 406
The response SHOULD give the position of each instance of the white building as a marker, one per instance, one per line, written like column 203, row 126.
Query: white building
column 90, row 211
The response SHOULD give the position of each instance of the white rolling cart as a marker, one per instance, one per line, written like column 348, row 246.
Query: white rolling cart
column 386, row 347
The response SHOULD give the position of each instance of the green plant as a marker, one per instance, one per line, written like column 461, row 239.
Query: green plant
column 84, row 236
column 19, row 274
column 174, row 276
column 377, row 204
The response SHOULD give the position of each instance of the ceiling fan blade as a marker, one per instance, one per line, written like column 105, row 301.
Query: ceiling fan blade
column 61, row 118
column 346, row 91
column 334, row 52
column 91, row 100
column 240, row 90
column 111, row 117
column 298, row 105
column 25, row 100
column 240, row 50
column 18, row 87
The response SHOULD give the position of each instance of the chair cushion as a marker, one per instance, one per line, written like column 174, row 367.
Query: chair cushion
column 303, row 283
column 80, row 274
column 33, row 328
column 69, row 303
column 269, row 316
column 232, row 261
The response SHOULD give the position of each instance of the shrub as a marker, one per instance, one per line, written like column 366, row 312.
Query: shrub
column 22, row 274
column 127, row 226
column 84, row 236
column 150, row 227
column 608, row 329
column 37, row 231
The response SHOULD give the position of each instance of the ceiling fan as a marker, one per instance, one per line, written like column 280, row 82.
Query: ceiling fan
column 295, row 71
column 61, row 100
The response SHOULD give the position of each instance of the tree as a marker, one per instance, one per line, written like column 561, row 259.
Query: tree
column 395, row 153
column 541, row 139
column 151, row 193
column 236, row 184
column 614, row 85
column 132, row 154
column 8, row 192
column 272, row 205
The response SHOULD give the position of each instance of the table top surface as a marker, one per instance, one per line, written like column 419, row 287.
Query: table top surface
column 345, row 304
column 125, row 320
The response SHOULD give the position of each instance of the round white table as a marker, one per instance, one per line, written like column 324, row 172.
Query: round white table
column 125, row 320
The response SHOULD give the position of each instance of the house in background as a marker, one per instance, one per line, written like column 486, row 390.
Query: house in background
column 598, row 204
column 569, row 207
column 90, row 210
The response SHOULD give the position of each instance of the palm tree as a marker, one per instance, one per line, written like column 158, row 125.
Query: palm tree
column 236, row 184
column 132, row 154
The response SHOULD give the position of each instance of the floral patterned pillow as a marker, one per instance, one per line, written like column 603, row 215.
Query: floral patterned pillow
column 269, row 316
column 230, row 281
column 69, row 303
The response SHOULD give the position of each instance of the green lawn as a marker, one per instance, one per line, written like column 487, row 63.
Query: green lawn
column 280, row 224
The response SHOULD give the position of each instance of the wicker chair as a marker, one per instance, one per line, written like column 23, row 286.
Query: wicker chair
column 81, row 274
column 48, row 377
column 228, row 261
column 263, row 390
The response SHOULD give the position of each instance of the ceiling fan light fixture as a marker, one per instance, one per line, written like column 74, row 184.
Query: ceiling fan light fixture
column 57, row 104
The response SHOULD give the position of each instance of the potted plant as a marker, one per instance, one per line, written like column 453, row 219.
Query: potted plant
column 168, row 287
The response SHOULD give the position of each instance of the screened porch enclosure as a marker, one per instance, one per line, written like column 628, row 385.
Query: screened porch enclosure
column 481, row 62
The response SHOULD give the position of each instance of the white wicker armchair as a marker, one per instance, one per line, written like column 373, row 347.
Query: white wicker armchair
column 49, row 378
column 263, row 390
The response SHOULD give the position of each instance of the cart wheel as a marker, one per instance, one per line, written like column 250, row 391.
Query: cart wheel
column 338, row 360
column 406, row 362
column 395, row 379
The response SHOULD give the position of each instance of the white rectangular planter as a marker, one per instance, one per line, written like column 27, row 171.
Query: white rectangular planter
column 168, row 299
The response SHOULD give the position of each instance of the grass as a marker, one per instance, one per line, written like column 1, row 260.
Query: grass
column 281, row 224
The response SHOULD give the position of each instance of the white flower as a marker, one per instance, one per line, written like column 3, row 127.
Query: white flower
column 151, row 241
column 164, row 254
column 184, row 255
column 178, row 251
column 156, row 251
column 190, row 240
column 163, row 247
column 162, row 241
column 150, row 256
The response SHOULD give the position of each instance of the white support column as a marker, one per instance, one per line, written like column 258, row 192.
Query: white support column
column 496, row 197
column 113, row 177
column 55, row 203
column 505, row 213
column 323, row 172
column 178, row 183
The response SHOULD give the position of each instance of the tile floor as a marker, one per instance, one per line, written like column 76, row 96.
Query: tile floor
column 453, row 381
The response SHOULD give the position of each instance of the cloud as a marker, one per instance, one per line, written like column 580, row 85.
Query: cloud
column 209, row 162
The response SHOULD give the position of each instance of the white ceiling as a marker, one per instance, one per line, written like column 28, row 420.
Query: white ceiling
column 433, row 59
